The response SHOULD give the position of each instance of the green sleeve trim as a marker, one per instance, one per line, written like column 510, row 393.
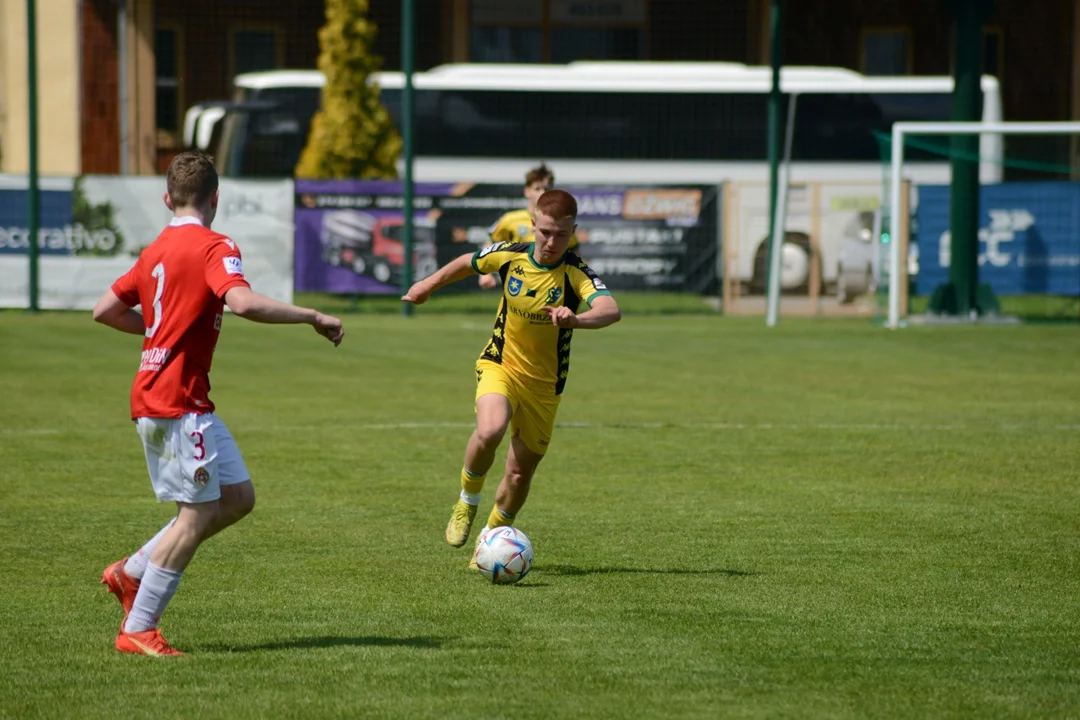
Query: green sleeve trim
column 597, row 294
column 474, row 265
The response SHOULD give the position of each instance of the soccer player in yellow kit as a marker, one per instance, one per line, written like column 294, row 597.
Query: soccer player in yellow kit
column 521, row 374
column 516, row 225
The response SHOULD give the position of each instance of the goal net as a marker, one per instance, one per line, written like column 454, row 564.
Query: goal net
column 1028, row 218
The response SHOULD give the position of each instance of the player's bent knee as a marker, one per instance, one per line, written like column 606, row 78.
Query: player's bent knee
column 490, row 434
column 237, row 501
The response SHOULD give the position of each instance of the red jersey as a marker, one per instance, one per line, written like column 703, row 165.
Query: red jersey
column 180, row 280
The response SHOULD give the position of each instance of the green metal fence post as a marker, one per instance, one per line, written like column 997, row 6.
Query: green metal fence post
column 33, row 204
column 407, row 145
column 961, row 295
column 773, row 129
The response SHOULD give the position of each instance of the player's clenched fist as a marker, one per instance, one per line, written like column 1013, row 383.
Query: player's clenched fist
column 329, row 327
column 562, row 316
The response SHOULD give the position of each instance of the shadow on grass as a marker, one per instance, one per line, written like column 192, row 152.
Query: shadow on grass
column 572, row 570
column 329, row 641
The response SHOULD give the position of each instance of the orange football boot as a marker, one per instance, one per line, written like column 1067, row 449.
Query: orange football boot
column 122, row 585
column 147, row 642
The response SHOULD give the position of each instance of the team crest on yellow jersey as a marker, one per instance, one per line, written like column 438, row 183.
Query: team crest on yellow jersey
column 513, row 286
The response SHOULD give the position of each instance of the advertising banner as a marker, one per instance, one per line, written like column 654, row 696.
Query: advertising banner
column 94, row 227
column 349, row 235
column 1029, row 238
column 636, row 238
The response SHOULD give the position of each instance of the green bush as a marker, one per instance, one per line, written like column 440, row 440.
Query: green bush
column 352, row 136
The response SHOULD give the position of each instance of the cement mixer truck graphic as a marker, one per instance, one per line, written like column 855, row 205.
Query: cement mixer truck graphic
column 373, row 246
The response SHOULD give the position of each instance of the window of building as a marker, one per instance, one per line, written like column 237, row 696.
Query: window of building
column 502, row 44
column 886, row 51
column 254, row 48
column 168, row 78
column 558, row 31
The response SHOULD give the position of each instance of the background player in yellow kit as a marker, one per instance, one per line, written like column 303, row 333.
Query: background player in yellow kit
column 522, row 372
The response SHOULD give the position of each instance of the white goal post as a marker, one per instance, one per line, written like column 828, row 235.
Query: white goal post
column 902, row 129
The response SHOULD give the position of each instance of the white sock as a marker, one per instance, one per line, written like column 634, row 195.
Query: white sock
column 136, row 564
column 470, row 498
column 157, row 588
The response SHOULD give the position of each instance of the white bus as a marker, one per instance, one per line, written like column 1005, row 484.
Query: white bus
column 636, row 122
column 603, row 122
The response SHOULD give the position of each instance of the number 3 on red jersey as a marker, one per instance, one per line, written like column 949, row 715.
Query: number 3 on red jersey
column 159, row 273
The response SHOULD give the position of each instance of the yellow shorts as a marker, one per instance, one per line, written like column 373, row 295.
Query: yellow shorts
column 532, row 416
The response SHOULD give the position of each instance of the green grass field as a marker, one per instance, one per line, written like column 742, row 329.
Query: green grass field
column 825, row 520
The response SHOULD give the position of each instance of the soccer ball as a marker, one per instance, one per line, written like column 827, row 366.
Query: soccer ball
column 504, row 555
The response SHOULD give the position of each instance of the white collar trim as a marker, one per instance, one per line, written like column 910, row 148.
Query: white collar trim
column 184, row 220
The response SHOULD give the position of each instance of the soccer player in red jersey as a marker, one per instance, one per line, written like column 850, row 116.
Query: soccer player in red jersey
column 183, row 281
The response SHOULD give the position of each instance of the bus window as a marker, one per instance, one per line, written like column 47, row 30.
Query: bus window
column 654, row 126
column 267, row 133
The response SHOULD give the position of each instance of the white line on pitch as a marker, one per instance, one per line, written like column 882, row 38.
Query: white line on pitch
column 661, row 425
column 570, row 425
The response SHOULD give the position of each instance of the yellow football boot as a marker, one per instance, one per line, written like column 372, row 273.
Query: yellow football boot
column 461, row 520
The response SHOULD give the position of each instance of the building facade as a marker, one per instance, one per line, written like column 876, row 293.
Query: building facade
column 115, row 76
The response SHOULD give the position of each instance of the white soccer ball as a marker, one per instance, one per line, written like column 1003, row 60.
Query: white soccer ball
column 504, row 555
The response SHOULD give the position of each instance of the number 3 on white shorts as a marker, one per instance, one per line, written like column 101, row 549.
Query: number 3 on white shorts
column 159, row 273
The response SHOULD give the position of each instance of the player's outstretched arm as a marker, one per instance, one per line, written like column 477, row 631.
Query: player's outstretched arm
column 250, row 305
column 602, row 312
column 457, row 269
column 111, row 310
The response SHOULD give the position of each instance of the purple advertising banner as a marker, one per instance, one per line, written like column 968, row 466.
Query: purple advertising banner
column 349, row 235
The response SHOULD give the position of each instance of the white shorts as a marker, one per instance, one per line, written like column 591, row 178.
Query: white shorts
column 190, row 457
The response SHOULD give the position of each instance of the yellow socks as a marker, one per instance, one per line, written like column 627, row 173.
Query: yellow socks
column 471, row 482
column 499, row 518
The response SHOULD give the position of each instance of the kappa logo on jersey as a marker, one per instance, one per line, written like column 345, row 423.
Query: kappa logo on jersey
column 553, row 295
column 513, row 287
column 233, row 266
column 518, row 271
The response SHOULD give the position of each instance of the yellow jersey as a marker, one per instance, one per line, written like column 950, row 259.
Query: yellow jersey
column 524, row 340
column 516, row 226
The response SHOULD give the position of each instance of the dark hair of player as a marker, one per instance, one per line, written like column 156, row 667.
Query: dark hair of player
column 191, row 179
column 538, row 173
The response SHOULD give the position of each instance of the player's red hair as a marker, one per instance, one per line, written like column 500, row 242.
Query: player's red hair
column 557, row 204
